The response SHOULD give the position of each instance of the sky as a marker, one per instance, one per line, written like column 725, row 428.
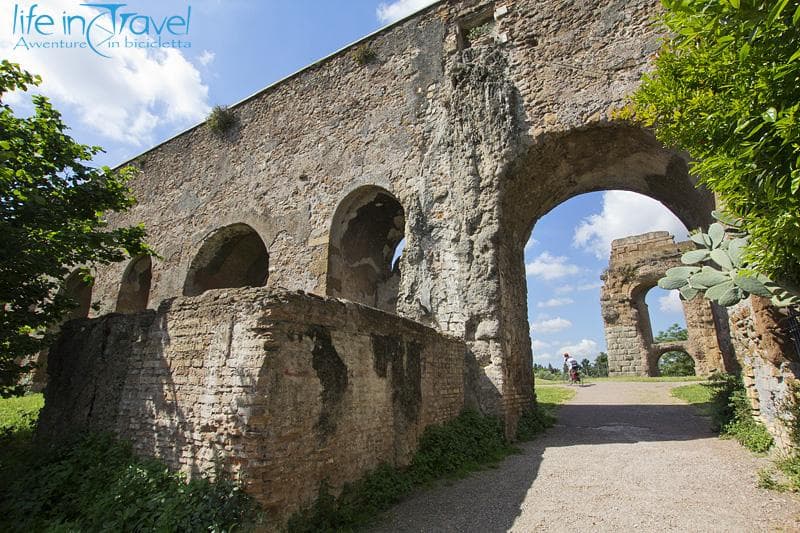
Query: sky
column 136, row 98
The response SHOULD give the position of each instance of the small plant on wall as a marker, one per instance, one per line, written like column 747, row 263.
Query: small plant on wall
column 363, row 54
column 221, row 120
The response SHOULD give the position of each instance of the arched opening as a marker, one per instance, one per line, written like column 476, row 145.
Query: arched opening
column 233, row 256
column 134, row 291
column 676, row 363
column 613, row 157
column 80, row 291
column 566, row 260
column 364, row 248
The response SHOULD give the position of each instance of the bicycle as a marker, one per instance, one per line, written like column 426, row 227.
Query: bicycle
column 575, row 377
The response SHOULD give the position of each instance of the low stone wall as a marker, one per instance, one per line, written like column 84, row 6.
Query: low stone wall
column 770, row 365
column 285, row 389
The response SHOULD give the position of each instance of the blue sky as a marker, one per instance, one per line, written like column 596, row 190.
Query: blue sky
column 137, row 98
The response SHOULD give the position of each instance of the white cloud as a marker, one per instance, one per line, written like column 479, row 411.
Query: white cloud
column 585, row 348
column 671, row 302
column 555, row 302
column 550, row 325
column 124, row 98
column 530, row 244
column 624, row 214
column 538, row 345
column 547, row 266
column 206, row 57
column 589, row 286
column 398, row 9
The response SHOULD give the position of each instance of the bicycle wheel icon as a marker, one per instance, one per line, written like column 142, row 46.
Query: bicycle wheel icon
column 99, row 33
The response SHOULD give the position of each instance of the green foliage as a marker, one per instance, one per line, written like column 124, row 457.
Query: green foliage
column 453, row 449
column 480, row 31
column 721, row 272
column 601, row 365
column 19, row 415
column 97, row 484
column 220, row 120
column 676, row 364
column 791, row 469
column 726, row 88
column 52, row 219
column 673, row 333
column 731, row 413
column 534, row 421
column 363, row 54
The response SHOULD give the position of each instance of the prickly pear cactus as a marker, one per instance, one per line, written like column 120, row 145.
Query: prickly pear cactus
column 717, row 271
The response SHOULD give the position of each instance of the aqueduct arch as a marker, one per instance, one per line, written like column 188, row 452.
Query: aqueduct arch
column 233, row 256
column 366, row 229
column 134, row 289
column 477, row 138
column 635, row 265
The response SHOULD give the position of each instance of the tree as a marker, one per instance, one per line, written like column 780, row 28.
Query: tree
column 52, row 207
column 601, row 365
column 726, row 88
column 586, row 367
column 676, row 364
column 673, row 333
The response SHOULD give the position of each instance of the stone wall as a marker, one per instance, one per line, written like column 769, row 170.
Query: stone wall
column 284, row 389
column 474, row 134
column 635, row 266
column 770, row 363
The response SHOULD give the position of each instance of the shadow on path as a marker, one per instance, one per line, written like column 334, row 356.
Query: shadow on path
column 491, row 501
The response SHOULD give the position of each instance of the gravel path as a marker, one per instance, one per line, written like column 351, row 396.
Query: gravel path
column 623, row 457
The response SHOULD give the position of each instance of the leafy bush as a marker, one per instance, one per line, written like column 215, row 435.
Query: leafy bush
column 455, row 448
column 97, row 484
column 220, row 120
column 732, row 416
column 725, row 89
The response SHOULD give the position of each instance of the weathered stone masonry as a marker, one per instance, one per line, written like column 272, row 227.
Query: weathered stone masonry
column 635, row 266
column 285, row 389
column 473, row 121
column 474, row 137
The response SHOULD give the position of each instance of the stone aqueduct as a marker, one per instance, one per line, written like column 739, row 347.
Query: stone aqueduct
column 636, row 264
column 473, row 120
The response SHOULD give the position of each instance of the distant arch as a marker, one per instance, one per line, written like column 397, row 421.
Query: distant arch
column 366, row 229
column 134, row 290
column 679, row 358
column 80, row 291
column 232, row 256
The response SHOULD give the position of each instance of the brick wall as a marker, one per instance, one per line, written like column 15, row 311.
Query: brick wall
column 286, row 389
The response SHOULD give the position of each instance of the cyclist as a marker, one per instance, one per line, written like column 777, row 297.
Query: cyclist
column 572, row 367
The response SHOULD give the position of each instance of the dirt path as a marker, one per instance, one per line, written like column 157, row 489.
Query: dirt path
column 624, row 457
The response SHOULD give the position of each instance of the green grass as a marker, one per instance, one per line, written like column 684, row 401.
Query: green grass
column 698, row 395
column 550, row 397
column 19, row 415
